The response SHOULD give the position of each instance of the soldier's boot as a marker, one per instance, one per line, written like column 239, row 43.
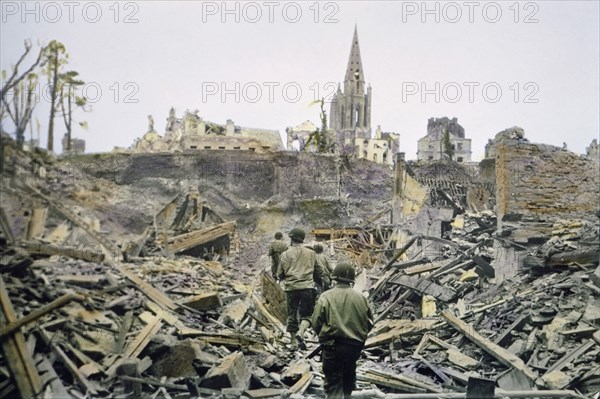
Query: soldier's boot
column 300, row 336
column 303, row 327
column 294, row 342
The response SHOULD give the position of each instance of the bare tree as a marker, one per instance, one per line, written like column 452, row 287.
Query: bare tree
column 13, row 80
column 23, row 87
column 20, row 109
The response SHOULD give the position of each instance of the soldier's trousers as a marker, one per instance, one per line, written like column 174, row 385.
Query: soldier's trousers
column 339, row 366
column 300, row 305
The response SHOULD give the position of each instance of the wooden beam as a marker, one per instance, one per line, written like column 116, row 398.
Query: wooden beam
column 89, row 387
column 504, row 356
column 300, row 386
column 569, row 357
column 416, row 385
column 579, row 256
column 57, row 303
column 151, row 292
column 38, row 248
column 5, row 226
column 189, row 240
column 518, row 323
column 424, row 286
column 265, row 312
column 144, row 336
column 400, row 252
column 15, row 351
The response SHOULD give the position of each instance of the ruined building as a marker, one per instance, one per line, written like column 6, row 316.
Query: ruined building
column 593, row 150
column 298, row 137
column 192, row 132
column 77, row 145
column 431, row 147
column 380, row 149
column 350, row 119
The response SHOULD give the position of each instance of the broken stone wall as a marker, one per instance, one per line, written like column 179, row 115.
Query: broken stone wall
column 536, row 185
column 319, row 187
column 543, row 183
column 427, row 196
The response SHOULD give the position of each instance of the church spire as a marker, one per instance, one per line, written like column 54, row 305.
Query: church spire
column 354, row 71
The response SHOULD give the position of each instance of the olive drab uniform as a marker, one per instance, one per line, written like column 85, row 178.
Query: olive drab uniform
column 342, row 319
column 299, row 271
column 323, row 262
column 276, row 248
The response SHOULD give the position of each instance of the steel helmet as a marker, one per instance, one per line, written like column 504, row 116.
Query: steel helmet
column 297, row 234
column 343, row 272
column 278, row 235
column 318, row 248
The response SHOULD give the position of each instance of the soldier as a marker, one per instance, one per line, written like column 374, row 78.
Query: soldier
column 325, row 266
column 342, row 319
column 276, row 248
column 299, row 271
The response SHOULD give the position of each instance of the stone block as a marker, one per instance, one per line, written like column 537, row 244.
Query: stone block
column 177, row 360
column 232, row 372
column 206, row 301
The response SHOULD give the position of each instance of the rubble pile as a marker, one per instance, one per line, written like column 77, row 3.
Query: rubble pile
column 537, row 330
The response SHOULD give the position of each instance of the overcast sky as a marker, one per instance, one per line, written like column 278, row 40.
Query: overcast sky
column 492, row 65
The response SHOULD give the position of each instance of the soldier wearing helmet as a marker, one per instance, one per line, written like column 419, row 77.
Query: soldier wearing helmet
column 299, row 271
column 342, row 319
column 276, row 248
column 325, row 265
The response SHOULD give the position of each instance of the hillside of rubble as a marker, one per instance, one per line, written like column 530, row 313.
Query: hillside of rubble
column 144, row 276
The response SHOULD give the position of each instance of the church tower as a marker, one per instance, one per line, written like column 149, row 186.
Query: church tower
column 350, row 112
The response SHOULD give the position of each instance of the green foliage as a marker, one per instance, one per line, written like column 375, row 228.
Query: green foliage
column 56, row 57
column 320, row 136
column 448, row 150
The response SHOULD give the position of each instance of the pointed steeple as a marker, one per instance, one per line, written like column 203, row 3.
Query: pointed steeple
column 354, row 71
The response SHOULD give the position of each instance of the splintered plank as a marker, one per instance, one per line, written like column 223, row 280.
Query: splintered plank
column 396, row 381
column 295, row 372
column 141, row 340
column 89, row 387
column 302, row 384
column 63, row 300
column 35, row 248
column 87, row 280
column 135, row 347
column 570, row 356
column 520, row 321
column 189, row 240
column 265, row 312
column 504, row 356
column 19, row 362
column 424, row 286
column 264, row 393
column 396, row 328
column 454, row 354
column 151, row 292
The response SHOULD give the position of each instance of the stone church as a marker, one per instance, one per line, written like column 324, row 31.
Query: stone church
column 350, row 119
column 350, row 111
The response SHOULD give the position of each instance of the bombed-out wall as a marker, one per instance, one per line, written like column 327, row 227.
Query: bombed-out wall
column 224, row 177
column 540, row 182
column 538, row 187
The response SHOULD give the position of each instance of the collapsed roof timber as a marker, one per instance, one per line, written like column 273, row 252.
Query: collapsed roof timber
column 484, row 280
